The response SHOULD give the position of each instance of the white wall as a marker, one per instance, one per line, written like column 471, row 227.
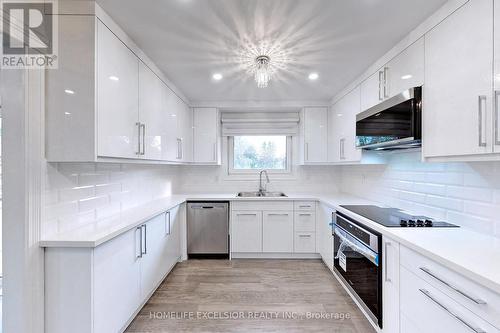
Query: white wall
column 79, row 193
column 214, row 179
column 467, row 194
column 310, row 179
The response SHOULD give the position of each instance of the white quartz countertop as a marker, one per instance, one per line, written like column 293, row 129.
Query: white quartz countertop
column 455, row 248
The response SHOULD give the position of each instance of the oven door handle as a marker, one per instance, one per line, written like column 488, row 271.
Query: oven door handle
column 356, row 245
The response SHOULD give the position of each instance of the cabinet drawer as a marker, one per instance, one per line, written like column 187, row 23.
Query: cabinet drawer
column 305, row 242
column 425, row 309
column 305, row 205
column 262, row 205
column 462, row 290
column 305, row 221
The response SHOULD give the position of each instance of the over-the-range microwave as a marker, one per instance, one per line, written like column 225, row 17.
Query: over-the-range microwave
column 396, row 123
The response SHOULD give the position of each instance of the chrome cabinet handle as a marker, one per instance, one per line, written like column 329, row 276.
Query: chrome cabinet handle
column 143, row 139
column 140, row 242
column 246, row 214
column 449, row 285
column 178, row 149
column 182, row 148
column 307, row 151
column 480, row 116
column 215, row 152
column 304, row 214
column 386, row 274
column 386, row 75
column 304, row 236
column 342, row 149
column 145, row 239
column 139, row 126
column 445, row 308
column 167, row 222
column 497, row 135
column 380, row 80
column 277, row 214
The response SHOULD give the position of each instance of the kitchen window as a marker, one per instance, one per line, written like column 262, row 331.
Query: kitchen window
column 248, row 154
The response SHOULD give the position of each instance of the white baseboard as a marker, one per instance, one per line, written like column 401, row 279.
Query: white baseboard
column 239, row 255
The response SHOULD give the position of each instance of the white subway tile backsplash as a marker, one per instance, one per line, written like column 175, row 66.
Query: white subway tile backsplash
column 445, row 203
column 464, row 193
column 470, row 193
column 77, row 194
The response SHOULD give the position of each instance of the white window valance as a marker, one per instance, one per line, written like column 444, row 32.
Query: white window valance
column 260, row 123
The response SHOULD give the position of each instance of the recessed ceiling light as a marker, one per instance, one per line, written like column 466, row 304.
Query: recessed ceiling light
column 114, row 78
column 69, row 92
column 217, row 76
column 406, row 77
column 313, row 76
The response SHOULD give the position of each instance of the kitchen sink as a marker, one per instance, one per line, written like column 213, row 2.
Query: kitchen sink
column 261, row 195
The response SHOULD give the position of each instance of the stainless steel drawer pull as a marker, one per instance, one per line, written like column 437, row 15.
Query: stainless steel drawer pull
column 305, row 236
column 470, row 326
column 277, row 214
column 304, row 214
column 449, row 285
column 246, row 214
column 308, row 206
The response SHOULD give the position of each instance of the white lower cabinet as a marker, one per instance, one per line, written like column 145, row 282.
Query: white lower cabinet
column 390, row 285
column 324, row 234
column 117, row 284
column 426, row 309
column 99, row 290
column 246, row 231
column 277, row 232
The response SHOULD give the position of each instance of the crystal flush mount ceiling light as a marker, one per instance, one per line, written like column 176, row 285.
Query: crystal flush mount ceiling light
column 263, row 61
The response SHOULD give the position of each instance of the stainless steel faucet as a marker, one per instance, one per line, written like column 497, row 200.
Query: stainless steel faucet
column 263, row 188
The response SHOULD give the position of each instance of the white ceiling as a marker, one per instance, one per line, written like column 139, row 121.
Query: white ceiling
column 192, row 39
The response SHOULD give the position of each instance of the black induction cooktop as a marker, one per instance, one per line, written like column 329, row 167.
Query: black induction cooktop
column 393, row 217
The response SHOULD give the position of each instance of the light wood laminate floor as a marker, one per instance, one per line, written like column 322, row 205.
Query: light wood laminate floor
column 241, row 290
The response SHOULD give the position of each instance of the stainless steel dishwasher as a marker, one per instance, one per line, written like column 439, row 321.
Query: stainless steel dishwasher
column 208, row 230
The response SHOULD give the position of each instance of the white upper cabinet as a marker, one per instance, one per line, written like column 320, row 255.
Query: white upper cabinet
column 403, row 72
column 342, row 129
column 206, row 136
column 105, row 103
column 457, row 117
column 314, row 135
column 496, row 110
column 406, row 70
column 117, row 97
column 152, row 114
column 372, row 90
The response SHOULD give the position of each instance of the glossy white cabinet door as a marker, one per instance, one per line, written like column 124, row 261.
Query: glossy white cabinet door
column 343, row 147
column 171, row 148
column 496, row 110
column 315, row 135
column 390, row 288
column 151, row 114
column 116, row 282
column 406, row 70
column 372, row 90
column 151, row 267
column 173, row 237
column 117, row 96
column 246, row 231
column 205, row 140
column 458, row 83
column 277, row 232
